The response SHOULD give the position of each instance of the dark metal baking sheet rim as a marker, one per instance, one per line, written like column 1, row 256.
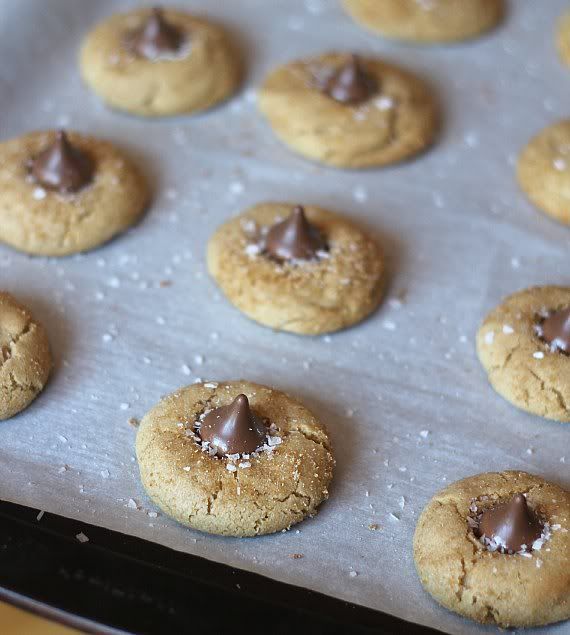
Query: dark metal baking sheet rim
column 116, row 583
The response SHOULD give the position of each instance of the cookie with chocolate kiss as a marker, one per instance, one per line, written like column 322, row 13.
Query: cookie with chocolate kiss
column 427, row 21
column 64, row 192
column 523, row 583
column 234, row 458
column 349, row 111
column 523, row 346
column 299, row 269
column 160, row 62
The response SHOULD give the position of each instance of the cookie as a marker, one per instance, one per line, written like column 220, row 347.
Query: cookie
column 278, row 482
column 471, row 575
column 563, row 38
column 157, row 63
column 347, row 115
column 25, row 358
column 543, row 171
column 526, row 368
column 63, row 194
column 340, row 285
column 426, row 21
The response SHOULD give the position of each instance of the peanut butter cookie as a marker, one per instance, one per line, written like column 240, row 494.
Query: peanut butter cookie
column 25, row 358
column 234, row 458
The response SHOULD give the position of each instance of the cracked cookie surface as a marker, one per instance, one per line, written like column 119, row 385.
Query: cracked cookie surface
column 25, row 358
column 309, row 297
column 47, row 223
column 397, row 123
column 489, row 586
column 520, row 366
column 208, row 71
column 426, row 21
column 543, row 171
column 276, row 490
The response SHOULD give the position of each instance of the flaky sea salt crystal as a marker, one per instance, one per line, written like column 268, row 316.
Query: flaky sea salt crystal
column 82, row 537
column 424, row 434
column 538, row 355
column 559, row 164
column 185, row 369
column 210, row 384
column 489, row 337
column 384, row 103
column 507, row 329
column 252, row 249
column 39, row 193
column 132, row 504
column 230, row 467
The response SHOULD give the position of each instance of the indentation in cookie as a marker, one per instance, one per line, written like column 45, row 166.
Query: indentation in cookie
column 553, row 328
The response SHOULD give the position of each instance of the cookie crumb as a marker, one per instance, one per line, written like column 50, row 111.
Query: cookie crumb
column 374, row 527
column 133, row 422
column 296, row 556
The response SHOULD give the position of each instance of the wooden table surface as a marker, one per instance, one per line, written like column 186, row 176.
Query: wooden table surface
column 17, row 622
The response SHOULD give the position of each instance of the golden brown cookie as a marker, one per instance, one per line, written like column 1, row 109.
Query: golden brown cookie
column 543, row 171
column 242, row 495
column 509, row 590
column 49, row 223
column 397, row 122
column 522, row 367
column 203, row 72
column 25, row 358
column 339, row 288
column 427, row 21
column 563, row 38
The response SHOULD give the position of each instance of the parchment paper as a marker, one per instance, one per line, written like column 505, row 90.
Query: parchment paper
column 407, row 403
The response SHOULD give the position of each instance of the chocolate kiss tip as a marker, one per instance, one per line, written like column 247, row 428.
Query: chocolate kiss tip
column 294, row 238
column 241, row 401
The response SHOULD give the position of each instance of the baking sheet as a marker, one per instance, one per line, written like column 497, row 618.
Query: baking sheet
column 407, row 404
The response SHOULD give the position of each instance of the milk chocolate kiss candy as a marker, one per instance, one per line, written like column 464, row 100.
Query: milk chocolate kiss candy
column 155, row 37
column 61, row 166
column 512, row 524
column 555, row 330
column 294, row 238
column 349, row 84
column 233, row 429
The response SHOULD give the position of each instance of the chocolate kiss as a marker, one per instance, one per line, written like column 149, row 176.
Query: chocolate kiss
column 294, row 238
column 513, row 523
column 350, row 84
column 233, row 429
column 155, row 37
column 62, row 166
column 555, row 330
